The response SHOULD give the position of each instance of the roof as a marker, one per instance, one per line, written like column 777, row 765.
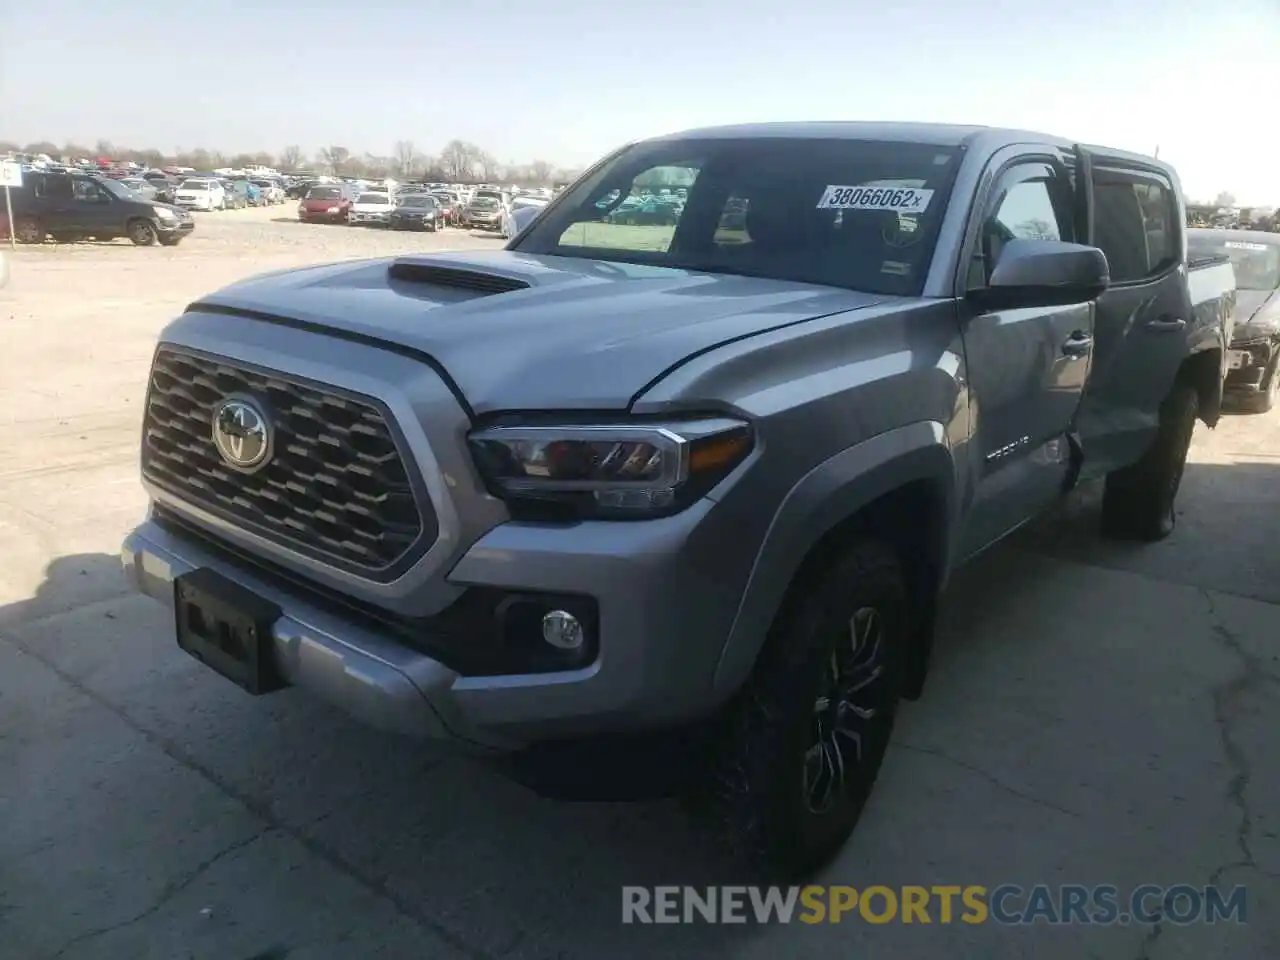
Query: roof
column 939, row 134
column 981, row 138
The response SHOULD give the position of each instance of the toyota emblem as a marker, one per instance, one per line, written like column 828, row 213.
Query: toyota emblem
column 241, row 433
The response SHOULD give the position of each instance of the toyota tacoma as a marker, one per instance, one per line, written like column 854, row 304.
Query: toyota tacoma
column 705, row 480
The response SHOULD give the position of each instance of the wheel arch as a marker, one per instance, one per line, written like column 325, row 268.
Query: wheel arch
column 898, row 487
column 1204, row 370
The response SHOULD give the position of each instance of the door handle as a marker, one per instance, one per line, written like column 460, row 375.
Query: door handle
column 1077, row 345
column 1166, row 324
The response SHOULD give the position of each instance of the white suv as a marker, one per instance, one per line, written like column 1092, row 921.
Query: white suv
column 201, row 194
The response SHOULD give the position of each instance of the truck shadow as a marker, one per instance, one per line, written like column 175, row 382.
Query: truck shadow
column 460, row 849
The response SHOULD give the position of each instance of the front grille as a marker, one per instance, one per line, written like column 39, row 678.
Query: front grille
column 336, row 486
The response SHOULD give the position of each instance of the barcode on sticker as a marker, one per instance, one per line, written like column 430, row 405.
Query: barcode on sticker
column 1240, row 245
column 897, row 199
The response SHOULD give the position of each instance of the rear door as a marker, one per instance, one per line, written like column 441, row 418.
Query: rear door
column 1026, row 367
column 53, row 202
column 1143, row 320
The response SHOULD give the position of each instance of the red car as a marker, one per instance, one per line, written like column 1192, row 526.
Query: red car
column 325, row 203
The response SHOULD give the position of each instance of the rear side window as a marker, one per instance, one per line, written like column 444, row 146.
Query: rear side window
column 1134, row 225
column 49, row 187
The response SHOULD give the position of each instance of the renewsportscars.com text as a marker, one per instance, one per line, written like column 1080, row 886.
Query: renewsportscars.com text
column 1007, row 904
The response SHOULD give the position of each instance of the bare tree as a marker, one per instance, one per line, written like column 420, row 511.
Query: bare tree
column 1225, row 199
column 407, row 157
column 488, row 166
column 291, row 157
column 456, row 160
column 335, row 158
column 1035, row 229
column 540, row 172
column 104, row 148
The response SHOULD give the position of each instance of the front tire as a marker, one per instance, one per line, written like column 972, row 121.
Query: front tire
column 142, row 233
column 1138, row 500
column 799, row 749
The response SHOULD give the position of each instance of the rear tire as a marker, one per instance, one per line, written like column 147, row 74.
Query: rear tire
column 798, row 750
column 1138, row 500
column 28, row 230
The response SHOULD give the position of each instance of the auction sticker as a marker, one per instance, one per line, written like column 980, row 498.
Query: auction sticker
column 897, row 199
column 1238, row 245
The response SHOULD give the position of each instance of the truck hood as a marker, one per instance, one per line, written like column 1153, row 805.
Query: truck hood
column 1257, row 315
column 518, row 331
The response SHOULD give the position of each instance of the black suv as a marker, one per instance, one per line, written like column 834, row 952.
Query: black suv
column 72, row 206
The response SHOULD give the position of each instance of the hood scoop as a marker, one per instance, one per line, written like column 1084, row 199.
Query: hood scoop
column 415, row 271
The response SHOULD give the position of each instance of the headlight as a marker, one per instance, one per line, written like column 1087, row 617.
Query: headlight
column 164, row 213
column 625, row 471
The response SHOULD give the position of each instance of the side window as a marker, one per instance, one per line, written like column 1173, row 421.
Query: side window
column 1023, row 211
column 51, row 187
column 644, row 220
column 1134, row 225
column 87, row 191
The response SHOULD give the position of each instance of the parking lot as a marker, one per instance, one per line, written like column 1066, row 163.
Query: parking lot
column 1098, row 714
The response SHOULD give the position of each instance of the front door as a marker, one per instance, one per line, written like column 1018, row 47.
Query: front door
column 94, row 213
column 1027, row 367
column 1143, row 320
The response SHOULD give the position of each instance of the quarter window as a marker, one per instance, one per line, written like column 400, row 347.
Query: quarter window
column 1025, row 211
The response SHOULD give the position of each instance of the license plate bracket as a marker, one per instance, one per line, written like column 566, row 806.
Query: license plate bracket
column 227, row 627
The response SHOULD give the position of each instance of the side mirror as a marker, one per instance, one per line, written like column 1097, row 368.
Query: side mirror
column 1044, row 273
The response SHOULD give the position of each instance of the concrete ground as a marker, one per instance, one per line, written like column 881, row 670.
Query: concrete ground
column 1098, row 715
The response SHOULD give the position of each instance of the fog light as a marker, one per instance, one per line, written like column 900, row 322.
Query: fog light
column 561, row 629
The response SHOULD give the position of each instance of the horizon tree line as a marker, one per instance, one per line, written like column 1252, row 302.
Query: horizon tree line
column 459, row 161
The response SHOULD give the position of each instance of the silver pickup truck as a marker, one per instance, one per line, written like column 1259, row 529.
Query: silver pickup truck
column 701, row 484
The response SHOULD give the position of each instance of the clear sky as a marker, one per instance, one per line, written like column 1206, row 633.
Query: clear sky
column 566, row 80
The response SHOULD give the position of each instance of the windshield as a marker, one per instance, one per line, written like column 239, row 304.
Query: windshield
column 848, row 213
column 373, row 198
column 417, row 200
column 488, row 195
column 323, row 193
column 194, row 185
column 1256, row 263
column 484, row 202
column 262, row 183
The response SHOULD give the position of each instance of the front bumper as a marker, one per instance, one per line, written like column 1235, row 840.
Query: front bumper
column 413, row 223
column 664, row 611
column 379, row 682
column 175, row 227
column 322, row 216
column 369, row 219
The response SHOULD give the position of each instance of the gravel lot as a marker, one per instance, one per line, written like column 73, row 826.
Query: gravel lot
column 1098, row 715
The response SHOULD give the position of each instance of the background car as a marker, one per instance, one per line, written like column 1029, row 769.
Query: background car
column 521, row 212
column 484, row 213
column 143, row 188
column 416, row 211
column 450, row 207
column 325, row 203
column 201, row 193
column 237, row 194
column 372, row 208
